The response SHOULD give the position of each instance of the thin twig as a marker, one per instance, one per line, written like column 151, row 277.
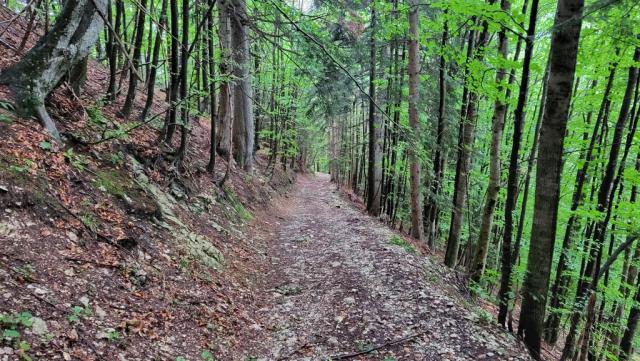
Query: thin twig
column 375, row 348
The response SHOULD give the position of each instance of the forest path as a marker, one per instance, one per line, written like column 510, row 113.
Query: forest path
column 337, row 287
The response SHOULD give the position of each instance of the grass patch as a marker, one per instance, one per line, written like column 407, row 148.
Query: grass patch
column 398, row 241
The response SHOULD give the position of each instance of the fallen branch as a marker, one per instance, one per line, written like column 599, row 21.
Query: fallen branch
column 376, row 348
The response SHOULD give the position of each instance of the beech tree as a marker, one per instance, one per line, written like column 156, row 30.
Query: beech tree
column 563, row 53
column 39, row 71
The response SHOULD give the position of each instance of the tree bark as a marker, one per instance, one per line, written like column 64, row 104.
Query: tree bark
column 174, row 81
column 564, row 51
column 463, row 165
column 113, row 50
column 135, row 67
column 212, row 93
column 184, row 86
column 497, row 125
column 414, row 78
column 40, row 70
column 224, row 110
column 374, row 165
column 504, row 293
column 153, row 69
column 561, row 282
column 243, row 126
column 432, row 210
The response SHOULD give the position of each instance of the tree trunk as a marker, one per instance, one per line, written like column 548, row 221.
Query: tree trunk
column 172, row 117
column 153, row 70
column 626, row 345
column 40, row 70
column 504, row 293
column 431, row 209
column 463, row 165
column 184, row 86
column 212, row 93
column 224, row 110
column 243, row 126
column 497, row 125
column 607, row 186
column 564, row 51
column 414, row 78
column 561, row 282
column 374, row 166
column 135, row 67
column 114, row 49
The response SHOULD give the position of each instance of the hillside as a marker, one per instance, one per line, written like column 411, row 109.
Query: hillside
column 106, row 252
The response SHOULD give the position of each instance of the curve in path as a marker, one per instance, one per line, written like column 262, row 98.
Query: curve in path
column 338, row 288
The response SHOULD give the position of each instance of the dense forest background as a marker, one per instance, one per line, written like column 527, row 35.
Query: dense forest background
column 502, row 134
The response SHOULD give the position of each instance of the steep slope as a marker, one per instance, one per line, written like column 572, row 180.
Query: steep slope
column 106, row 251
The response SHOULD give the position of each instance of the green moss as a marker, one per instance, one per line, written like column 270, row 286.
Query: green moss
column 111, row 182
column 237, row 205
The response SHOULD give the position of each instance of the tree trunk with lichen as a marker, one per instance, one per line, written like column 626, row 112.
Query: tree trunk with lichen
column 69, row 42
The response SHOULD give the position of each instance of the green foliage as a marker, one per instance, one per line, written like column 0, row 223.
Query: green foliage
column 207, row 356
column 89, row 221
column 10, row 327
column 117, row 158
column 237, row 205
column 45, row 145
column 76, row 313
column 113, row 335
column 7, row 106
column 5, row 119
column 399, row 241
column 95, row 114
column 27, row 271
column 77, row 160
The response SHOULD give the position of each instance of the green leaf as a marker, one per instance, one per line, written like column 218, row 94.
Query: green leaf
column 207, row 356
column 11, row 334
column 24, row 346
column 26, row 319
column 45, row 145
column 5, row 119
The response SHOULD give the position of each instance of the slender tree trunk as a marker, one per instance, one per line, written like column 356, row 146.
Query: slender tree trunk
column 135, row 68
column 153, row 69
column 626, row 345
column 560, row 286
column 414, row 65
column 463, row 165
column 212, row 94
column 432, row 210
column 184, row 86
column 564, row 51
column 243, row 127
column 609, row 185
column 172, row 117
column 497, row 125
column 504, row 293
column 113, row 52
column 374, row 165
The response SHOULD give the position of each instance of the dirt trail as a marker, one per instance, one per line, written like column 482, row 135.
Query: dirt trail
column 339, row 287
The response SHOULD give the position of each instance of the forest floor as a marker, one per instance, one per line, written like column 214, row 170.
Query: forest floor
column 342, row 285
